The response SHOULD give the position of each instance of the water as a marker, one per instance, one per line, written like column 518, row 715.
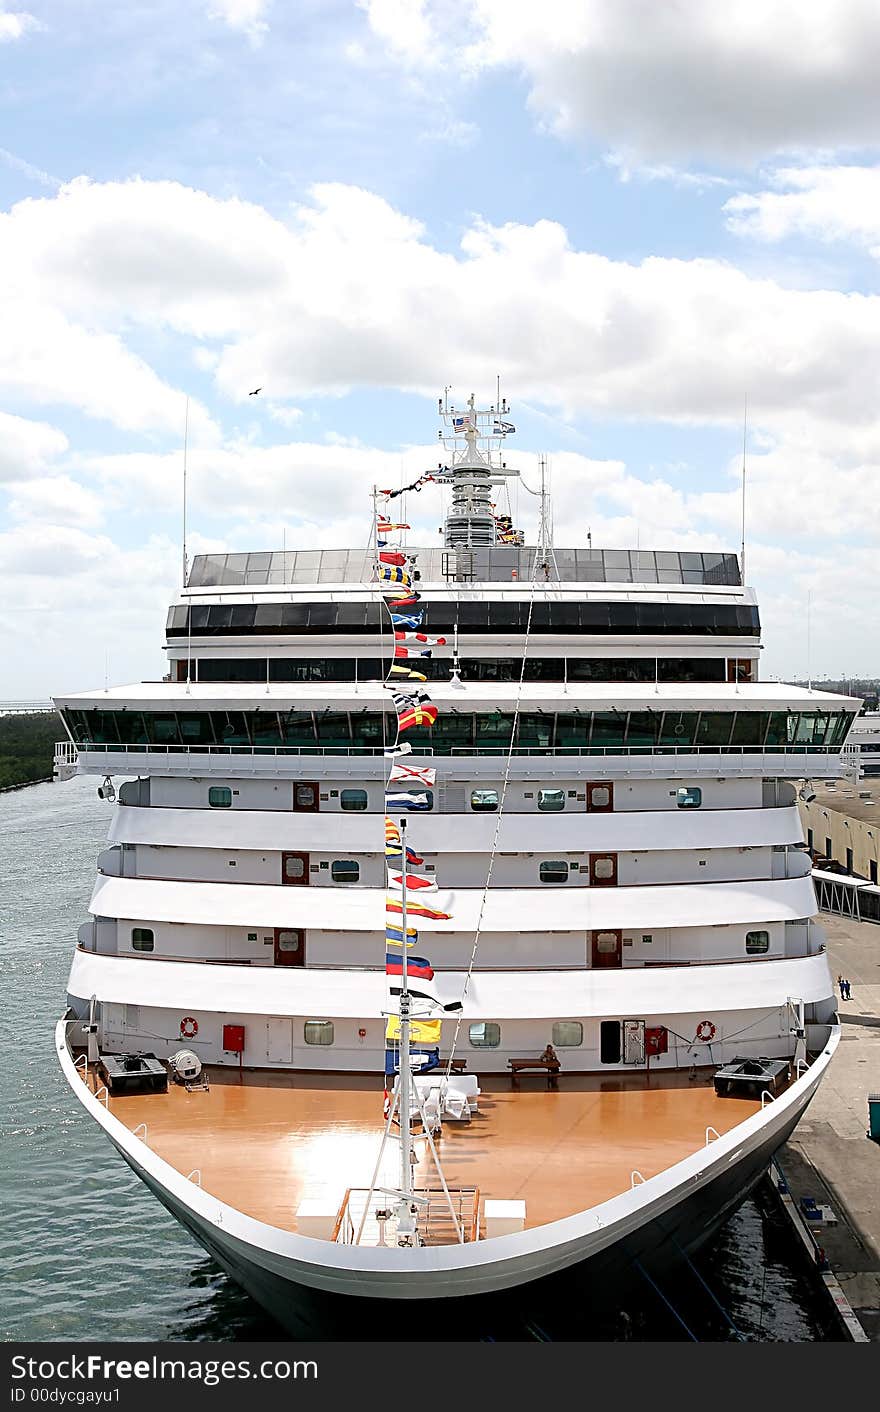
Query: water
column 90, row 1254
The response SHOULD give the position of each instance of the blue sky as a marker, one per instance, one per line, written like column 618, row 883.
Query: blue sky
column 635, row 215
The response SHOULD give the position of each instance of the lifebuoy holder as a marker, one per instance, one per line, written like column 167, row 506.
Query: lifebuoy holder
column 189, row 1027
column 705, row 1031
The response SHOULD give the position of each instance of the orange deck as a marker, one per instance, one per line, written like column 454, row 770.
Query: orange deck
column 266, row 1140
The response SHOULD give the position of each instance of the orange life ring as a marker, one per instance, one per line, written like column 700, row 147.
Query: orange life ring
column 189, row 1027
column 705, row 1031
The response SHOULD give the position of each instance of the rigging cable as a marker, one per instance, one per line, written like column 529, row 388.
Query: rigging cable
column 499, row 816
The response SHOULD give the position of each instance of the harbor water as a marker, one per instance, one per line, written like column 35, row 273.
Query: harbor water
column 90, row 1254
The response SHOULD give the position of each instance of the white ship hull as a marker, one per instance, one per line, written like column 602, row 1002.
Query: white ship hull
column 608, row 882
column 304, row 1283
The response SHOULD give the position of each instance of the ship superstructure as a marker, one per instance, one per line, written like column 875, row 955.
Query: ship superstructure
column 610, row 870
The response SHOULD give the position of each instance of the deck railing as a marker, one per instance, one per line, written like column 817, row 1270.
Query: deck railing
column 434, row 1221
column 467, row 751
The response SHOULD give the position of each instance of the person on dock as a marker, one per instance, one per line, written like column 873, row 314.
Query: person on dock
column 841, row 984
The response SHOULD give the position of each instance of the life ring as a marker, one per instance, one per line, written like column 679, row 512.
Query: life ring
column 705, row 1031
column 189, row 1027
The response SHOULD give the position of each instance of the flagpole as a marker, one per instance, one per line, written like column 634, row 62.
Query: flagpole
column 405, row 1070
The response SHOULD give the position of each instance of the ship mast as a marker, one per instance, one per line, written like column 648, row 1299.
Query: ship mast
column 406, row 1228
column 473, row 437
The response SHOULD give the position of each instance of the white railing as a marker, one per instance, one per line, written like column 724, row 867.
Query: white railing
column 771, row 752
column 66, row 755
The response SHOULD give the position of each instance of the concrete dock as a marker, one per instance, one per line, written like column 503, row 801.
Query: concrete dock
column 829, row 1157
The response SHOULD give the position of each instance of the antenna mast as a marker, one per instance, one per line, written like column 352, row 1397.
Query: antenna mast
column 185, row 445
column 545, row 555
column 742, row 561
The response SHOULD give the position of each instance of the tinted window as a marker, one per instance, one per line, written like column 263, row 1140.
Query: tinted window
column 553, row 872
column 567, row 1034
column 484, row 801
column 220, row 796
column 355, row 799
column 318, row 1032
column 484, row 1035
column 345, row 870
column 141, row 939
column 689, row 798
column 551, row 801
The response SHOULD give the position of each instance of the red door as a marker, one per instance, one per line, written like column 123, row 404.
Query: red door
column 295, row 869
column 290, row 947
column 306, row 799
column 600, row 797
column 606, row 949
column 603, row 870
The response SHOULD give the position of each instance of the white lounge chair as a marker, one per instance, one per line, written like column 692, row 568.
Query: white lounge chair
column 457, row 1095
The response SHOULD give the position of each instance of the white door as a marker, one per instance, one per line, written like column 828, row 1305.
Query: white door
column 633, row 1041
column 279, row 1041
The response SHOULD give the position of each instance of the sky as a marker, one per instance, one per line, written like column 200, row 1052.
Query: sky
column 658, row 225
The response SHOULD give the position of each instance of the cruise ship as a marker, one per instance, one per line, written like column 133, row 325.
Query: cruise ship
column 456, row 930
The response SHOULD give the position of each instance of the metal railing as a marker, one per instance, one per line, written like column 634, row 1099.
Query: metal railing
column 435, row 1222
column 65, row 754
column 589, row 751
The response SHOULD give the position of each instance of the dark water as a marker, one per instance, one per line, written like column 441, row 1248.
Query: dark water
column 88, row 1253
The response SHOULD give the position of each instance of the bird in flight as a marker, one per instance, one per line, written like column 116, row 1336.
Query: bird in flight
column 255, row 391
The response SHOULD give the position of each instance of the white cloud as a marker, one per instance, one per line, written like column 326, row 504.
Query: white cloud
column 16, row 23
column 406, row 26
column 820, row 203
column 243, row 15
column 452, row 132
column 27, row 448
column 629, row 169
column 665, row 81
column 57, row 500
column 64, row 619
column 62, row 340
column 27, row 169
column 350, row 292
column 286, row 416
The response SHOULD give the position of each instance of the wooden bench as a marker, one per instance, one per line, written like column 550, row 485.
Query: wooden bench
column 550, row 1067
column 457, row 1066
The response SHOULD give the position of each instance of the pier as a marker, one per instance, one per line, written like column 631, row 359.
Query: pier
column 829, row 1158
